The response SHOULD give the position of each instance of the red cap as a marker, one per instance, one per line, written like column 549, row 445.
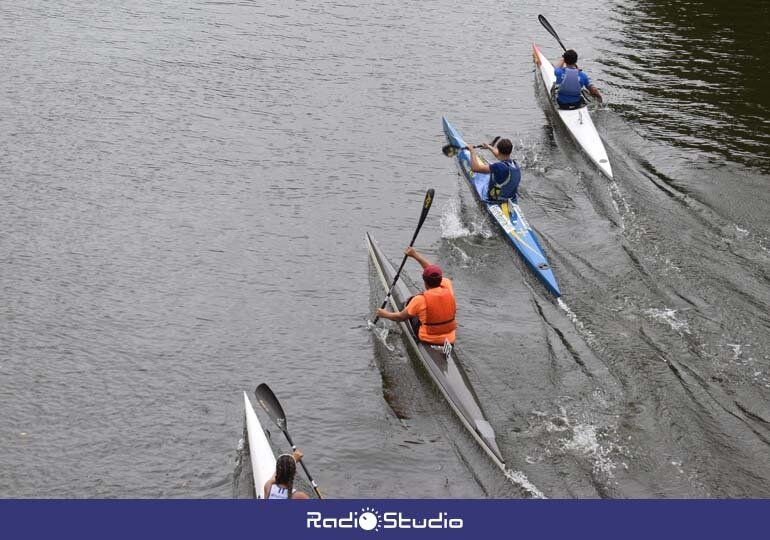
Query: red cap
column 432, row 270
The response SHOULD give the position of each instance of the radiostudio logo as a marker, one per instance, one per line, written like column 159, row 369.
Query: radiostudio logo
column 370, row 519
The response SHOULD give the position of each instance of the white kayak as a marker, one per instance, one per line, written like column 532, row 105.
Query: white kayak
column 260, row 452
column 577, row 121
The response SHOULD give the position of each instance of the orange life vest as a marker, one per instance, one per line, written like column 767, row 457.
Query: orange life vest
column 440, row 311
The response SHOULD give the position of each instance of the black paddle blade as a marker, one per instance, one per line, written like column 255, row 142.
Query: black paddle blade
column 450, row 150
column 428, row 200
column 271, row 406
column 423, row 214
column 494, row 141
column 550, row 29
column 425, row 207
column 545, row 23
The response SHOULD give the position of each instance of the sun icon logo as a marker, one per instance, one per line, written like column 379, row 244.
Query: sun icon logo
column 369, row 520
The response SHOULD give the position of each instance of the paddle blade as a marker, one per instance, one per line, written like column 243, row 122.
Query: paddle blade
column 494, row 141
column 550, row 29
column 426, row 203
column 381, row 333
column 449, row 150
column 425, row 207
column 267, row 400
column 423, row 214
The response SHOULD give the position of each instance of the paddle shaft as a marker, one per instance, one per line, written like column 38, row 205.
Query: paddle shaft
column 547, row 26
column 302, row 462
column 446, row 147
column 425, row 207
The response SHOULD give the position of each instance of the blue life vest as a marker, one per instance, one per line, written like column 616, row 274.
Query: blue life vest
column 505, row 187
column 569, row 88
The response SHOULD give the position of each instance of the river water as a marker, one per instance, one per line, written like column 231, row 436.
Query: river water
column 184, row 192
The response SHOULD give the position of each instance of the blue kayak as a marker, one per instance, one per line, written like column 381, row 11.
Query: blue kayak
column 506, row 214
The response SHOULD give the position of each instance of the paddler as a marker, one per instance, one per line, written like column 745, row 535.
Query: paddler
column 570, row 81
column 434, row 309
column 504, row 174
column 281, row 485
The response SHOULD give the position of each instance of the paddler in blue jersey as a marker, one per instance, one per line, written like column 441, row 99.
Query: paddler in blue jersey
column 570, row 81
column 504, row 175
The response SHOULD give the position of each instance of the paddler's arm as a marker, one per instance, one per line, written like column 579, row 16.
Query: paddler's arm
column 393, row 316
column 417, row 256
column 476, row 165
column 266, row 489
column 492, row 149
column 595, row 93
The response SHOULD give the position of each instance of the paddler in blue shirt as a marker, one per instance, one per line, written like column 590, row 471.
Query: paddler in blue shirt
column 570, row 81
column 504, row 175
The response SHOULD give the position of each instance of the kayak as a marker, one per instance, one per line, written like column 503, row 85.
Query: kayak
column 260, row 451
column 506, row 214
column 441, row 362
column 577, row 121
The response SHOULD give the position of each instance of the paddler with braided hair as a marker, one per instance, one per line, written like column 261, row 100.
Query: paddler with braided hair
column 281, row 485
column 434, row 308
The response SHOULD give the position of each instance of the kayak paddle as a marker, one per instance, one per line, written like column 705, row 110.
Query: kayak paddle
column 551, row 31
column 425, row 207
column 272, row 407
column 450, row 150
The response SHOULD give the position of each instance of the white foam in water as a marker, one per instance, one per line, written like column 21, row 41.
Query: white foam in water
column 575, row 321
column 585, row 441
column 465, row 258
column 529, row 155
column 670, row 266
column 451, row 224
column 521, row 480
column 668, row 316
column 381, row 333
column 615, row 197
column 582, row 438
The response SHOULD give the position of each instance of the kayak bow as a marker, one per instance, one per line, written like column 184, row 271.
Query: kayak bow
column 260, row 452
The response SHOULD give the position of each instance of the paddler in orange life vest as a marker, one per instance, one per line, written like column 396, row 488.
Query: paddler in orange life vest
column 435, row 307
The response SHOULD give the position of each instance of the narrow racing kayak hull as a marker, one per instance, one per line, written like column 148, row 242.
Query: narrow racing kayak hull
column 507, row 215
column 260, row 451
column 578, row 122
column 441, row 363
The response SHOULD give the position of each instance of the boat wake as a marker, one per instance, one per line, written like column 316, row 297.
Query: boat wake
column 520, row 480
column 454, row 224
column 587, row 334
column 451, row 221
